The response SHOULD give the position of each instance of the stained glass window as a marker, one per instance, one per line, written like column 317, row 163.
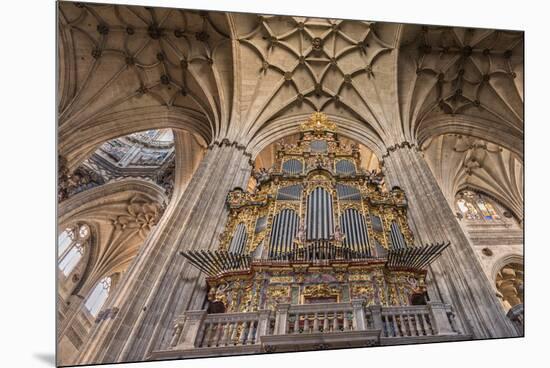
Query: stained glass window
column 474, row 206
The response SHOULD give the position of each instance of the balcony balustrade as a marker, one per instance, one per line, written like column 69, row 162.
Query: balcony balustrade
column 309, row 326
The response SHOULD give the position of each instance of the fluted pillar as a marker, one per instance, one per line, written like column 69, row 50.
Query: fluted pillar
column 160, row 285
column 456, row 277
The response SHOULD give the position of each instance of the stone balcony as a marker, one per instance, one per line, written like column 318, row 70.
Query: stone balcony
column 309, row 327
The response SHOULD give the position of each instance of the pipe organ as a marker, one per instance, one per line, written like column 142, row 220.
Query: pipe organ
column 316, row 221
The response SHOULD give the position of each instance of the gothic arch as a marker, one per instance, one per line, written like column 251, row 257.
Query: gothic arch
column 448, row 72
column 460, row 161
column 472, row 126
column 69, row 285
column 104, row 75
column 503, row 261
column 283, row 127
column 78, row 143
column 114, row 210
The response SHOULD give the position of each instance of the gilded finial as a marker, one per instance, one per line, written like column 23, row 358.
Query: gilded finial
column 318, row 122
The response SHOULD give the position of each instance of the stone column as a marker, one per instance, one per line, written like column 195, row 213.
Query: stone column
column 456, row 277
column 190, row 329
column 359, row 314
column 263, row 323
column 376, row 313
column 160, row 284
column 515, row 314
column 440, row 318
column 281, row 318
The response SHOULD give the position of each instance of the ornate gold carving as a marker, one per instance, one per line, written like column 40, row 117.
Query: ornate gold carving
column 320, row 291
column 276, row 295
column 365, row 291
column 359, row 277
column 238, row 198
column 281, row 279
column 318, row 122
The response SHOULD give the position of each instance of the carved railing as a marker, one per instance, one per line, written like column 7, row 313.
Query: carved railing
column 224, row 330
column 197, row 329
column 406, row 321
column 318, row 318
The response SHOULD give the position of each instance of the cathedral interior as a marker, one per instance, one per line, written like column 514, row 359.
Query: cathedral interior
column 236, row 184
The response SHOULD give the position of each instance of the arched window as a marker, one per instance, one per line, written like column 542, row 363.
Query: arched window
column 99, row 296
column 65, row 239
column 71, row 247
column 473, row 206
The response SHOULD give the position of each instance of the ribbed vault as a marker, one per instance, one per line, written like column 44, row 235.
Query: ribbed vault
column 471, row 74
column 297, row 65
column 460, row 162
column 230, row 86
column 115, row 60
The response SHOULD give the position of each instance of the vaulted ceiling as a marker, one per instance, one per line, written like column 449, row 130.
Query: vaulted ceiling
column 124, row 69
column 461, row 162
column 467, row 74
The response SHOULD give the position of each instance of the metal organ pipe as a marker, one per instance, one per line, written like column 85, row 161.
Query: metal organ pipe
column 354, row 227
column 397, row 239
column 345, row 167
column 239, row 239
column 320, row 221
column 284, row 230
column 293, row 167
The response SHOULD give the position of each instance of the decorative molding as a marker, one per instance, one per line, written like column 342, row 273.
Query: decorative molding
column 404, row 144
column 228, row 143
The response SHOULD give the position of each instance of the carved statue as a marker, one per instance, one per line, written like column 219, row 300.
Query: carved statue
column 338, row 235
column 262, row 176
column 301, row 235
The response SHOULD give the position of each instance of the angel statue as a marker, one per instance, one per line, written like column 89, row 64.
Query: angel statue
column 301, row 235
column 338, row 235
column 261, row 176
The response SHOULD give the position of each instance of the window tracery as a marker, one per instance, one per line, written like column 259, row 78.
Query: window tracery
column 72, row 243
column 476, row 207
column 99, row 296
